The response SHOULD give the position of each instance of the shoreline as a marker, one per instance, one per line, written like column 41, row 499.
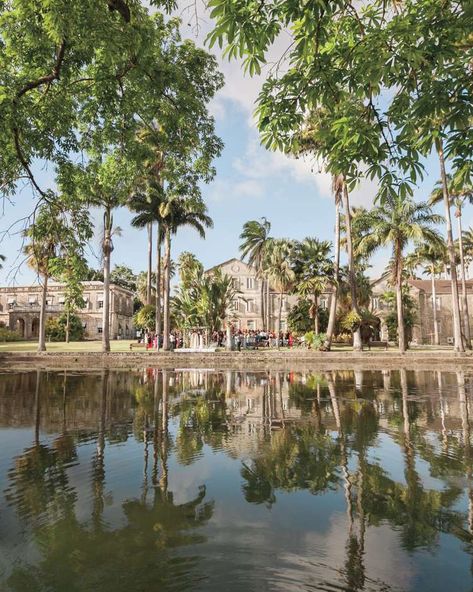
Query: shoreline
column 246, row 360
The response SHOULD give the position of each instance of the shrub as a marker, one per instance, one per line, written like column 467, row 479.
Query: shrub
column 7, row 334
column 56, row 328
column 315, row 340
column 145, row 318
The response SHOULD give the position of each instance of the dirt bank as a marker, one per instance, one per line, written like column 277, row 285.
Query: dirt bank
column 250, row 360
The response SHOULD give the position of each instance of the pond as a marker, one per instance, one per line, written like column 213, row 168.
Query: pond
column 236, row 481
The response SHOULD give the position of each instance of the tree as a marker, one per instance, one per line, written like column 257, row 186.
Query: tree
column 278, row 271
column 255, row 240
column 145, row 318
column 123, row 276
column 43, row 234
column 313, row 270
column 190, row 268
column 299, row 318
column 432, row 258
column 106, row 184
column 397, row 222
column 458, row 195
column 66, row 327
column 178, row 212
column 57, row 236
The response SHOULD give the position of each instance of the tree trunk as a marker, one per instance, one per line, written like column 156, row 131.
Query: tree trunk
column 106, row 282
column 158, row 285
column 279, row 318
column 316, row 314
column 336, row 266
column 150, row 263
column 42, row 315
column 68, row 325
column 351, row 266
column 167, row 288
column 262, row 291
column 400, row 312
column 434, row 309
column 466, row 315
column 457, row 334
column 268, row 306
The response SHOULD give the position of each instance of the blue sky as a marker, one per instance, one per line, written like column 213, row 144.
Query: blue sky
column 250, row 183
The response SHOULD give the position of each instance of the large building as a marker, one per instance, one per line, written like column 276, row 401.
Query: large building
column 245, row 311
column 20, row 309
column 421, row 293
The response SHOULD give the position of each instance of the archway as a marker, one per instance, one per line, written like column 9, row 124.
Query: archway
column 35, row 328
column 20, row 327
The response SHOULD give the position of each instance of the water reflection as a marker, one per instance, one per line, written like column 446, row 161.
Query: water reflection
column 145, row 480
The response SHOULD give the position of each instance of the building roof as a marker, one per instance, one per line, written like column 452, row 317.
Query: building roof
column 59, row 285
column 235, row 259
column 441, row 286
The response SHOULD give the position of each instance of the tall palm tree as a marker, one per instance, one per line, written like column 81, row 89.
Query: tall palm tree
column 457, row 332
column 337, row 188
column 459, row 195
column 44, row 240
column 313, row 269
column 278, row 270
column 255, row 240
column 432, row 258
column 152, row 139
column 148, row 206
column 357, row 345
column 396, row 222
column 176, row 213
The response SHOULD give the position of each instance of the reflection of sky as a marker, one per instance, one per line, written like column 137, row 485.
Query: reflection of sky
column 299, row 543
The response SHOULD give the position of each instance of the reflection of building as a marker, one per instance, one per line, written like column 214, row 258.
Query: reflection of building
column 421, row 293
column 20, row 308
column 246, row 306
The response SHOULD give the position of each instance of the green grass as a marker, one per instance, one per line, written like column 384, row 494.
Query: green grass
column 75, row 346
column 124, row 345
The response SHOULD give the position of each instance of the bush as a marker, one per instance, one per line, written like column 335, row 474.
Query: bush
column 56, row 328
column 315, row 340
column 145, row 318
column 300, row 320
column 7, row 334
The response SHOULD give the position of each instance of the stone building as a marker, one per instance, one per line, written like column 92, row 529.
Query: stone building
column 245, row 311
column 421, row 292
column 20, row 309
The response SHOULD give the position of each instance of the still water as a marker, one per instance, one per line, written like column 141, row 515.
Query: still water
column 230, row 481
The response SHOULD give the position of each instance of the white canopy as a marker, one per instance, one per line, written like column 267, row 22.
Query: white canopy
column 33, row 299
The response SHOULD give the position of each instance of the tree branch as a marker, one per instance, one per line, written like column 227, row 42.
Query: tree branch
column 54, row 74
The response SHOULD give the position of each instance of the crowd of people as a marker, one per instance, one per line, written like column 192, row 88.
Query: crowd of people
column 241, row 339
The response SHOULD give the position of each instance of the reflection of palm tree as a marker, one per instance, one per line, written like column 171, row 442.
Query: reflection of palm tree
column 98, row 461
column 354, row 565
column 38, row 481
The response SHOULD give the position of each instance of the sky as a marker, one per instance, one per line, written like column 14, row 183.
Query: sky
column 251, row 182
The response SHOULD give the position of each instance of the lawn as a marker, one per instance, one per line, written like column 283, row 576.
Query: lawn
column 75, row 346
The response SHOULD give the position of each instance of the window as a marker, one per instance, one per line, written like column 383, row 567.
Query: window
column 99, row 329
column 50, row 300
column 33, row 300
column 236, row 283
column 100, row 304
column 235, row 305
column 438, row 302
column 11, row 303
column 323, row 303
column 250, row 283
column 250, row 305
column 375, row 303
column 250, row 325
column 61, row 299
